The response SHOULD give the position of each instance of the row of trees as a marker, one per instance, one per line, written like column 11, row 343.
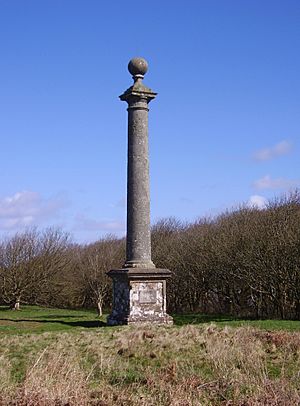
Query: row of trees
column 244, row 262
column 47, row 269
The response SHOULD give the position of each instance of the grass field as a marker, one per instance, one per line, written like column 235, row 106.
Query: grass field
column 70, row 357
column 34, row 319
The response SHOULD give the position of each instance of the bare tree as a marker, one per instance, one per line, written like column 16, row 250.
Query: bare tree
column 28, row 263
column 93, row 262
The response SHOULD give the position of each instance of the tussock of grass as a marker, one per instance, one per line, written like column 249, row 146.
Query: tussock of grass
column 190, row 365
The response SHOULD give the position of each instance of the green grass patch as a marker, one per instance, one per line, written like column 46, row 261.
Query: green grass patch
column 35, row 319
column 225, row 320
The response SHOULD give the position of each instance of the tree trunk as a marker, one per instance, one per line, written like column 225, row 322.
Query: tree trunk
column 297, row 309
column 99, row 308
column 16, row 304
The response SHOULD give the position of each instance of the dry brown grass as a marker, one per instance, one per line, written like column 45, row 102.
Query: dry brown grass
column 151, row 366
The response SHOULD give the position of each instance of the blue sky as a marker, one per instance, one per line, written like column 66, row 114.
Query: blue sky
column 224, row 128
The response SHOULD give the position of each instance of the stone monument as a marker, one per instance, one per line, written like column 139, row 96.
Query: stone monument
column 139, row 288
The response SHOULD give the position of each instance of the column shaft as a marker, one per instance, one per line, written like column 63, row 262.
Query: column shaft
column 138, row 248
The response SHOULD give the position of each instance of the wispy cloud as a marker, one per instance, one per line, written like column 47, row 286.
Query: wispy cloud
column 83, row 223
column 28, row 208
column 266, row 182
column 257, row 201
column 121, row 204
column 185, row 200
column 265, row 154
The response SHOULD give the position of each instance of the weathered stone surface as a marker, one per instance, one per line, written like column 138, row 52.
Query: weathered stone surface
column 138, row 244
column 139, row 289
column 139, row 296
column 138, row 66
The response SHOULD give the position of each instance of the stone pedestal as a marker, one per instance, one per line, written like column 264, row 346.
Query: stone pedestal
column 139, row 296
column 139, row 288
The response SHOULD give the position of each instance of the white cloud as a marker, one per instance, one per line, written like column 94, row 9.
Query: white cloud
column 265, row 154
column 266, row 182
column 257, row 201
column 28, row 208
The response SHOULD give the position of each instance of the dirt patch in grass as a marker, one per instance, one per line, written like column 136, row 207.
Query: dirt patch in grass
column 19, row 324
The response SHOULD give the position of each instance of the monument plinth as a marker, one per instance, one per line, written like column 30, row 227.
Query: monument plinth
column 139, row 288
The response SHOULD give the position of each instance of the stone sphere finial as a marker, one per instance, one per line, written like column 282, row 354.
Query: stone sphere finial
column 138, row 67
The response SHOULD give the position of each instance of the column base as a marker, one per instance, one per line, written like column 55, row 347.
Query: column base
column 139, row 264
column 139, row 296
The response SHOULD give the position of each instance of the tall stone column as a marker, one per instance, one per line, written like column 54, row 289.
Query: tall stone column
column 139, row 288
column 138, row 247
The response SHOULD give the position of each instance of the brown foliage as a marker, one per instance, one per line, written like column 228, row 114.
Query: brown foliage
column 29, row 263
column 244, row 262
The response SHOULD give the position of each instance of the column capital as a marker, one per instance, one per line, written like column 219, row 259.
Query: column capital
column 138, row 91
column 138, row 67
